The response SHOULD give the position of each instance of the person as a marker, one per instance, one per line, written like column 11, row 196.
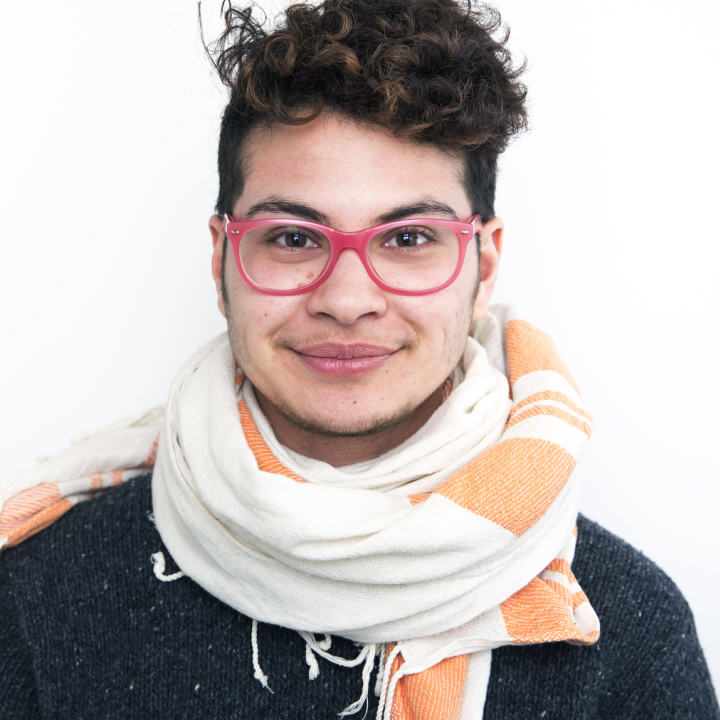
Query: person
column 364, row 496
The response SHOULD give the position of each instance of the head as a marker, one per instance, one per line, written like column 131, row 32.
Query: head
column 350, row 113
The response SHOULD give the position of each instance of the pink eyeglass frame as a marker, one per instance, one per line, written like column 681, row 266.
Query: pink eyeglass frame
column 358, row 241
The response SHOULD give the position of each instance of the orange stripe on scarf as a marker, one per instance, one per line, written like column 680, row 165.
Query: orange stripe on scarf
column 37, row 522
column 552, row 395
column 33, row 510
column 550, row 411
column 152, row 455
column 418, row 696
column 539, row 613
column 530, row 350
column 264, row 457
column 578, row 599
column 561, row 566
column 512, row 483
column 26, row 504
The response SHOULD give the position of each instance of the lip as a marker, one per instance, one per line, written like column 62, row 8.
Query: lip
column 339, row 359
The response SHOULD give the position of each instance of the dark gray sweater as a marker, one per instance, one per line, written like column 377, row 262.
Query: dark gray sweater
column 88, row 632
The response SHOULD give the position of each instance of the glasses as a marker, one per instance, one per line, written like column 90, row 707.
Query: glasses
column 408, row 257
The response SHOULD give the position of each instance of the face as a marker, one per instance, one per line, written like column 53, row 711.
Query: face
column 350, row 358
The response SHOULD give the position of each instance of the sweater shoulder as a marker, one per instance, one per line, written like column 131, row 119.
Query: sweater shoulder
column 615, row 575
column 647, row 662
column 117, row 518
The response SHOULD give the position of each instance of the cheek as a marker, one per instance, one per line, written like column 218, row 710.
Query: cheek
column 457, row 310
column 261, row 316
column 455, row 304
column 254, row 318
column 442, row 321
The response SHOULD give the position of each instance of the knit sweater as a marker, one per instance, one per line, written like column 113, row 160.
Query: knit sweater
column 88, row 632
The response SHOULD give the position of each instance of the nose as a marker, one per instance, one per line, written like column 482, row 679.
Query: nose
column 349, row 293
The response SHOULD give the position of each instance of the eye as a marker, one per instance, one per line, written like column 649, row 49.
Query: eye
column 408, row 238
column 294, row 240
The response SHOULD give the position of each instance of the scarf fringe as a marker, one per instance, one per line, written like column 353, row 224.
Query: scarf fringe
column 158, row 560
column 386, row 693
column 259, row 674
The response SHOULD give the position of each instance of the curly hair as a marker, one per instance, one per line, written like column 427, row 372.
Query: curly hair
column 429, row 70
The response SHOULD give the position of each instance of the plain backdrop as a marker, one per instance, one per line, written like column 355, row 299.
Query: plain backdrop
column 109, row 125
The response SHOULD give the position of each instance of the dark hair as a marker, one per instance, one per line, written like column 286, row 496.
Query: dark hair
column 429, row 70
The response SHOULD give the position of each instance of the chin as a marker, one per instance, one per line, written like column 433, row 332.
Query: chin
column 348, row 423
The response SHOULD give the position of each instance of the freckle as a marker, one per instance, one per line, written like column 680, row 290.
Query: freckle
column 265, row 314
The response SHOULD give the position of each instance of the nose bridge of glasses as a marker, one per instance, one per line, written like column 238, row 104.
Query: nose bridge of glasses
column 343, row 241
column 349, row 240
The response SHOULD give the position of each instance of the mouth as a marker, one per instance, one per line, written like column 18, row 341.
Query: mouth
column 339, row 359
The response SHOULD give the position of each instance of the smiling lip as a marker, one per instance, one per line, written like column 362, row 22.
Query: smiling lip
column 337, row 359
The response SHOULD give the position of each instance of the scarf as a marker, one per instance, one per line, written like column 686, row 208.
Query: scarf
column 456, row 542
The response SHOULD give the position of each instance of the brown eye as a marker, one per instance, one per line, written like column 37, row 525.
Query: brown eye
column 407, row 239
column 295, row 240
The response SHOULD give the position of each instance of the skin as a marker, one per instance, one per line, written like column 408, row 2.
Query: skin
column 350, row 176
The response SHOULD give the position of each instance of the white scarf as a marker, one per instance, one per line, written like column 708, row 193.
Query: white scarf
column 443, row 548
column 346, row 551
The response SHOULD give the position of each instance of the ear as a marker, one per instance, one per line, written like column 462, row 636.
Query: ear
column 217, row 230
column 491, row 239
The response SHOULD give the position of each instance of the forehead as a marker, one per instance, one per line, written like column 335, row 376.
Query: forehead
column 347, row 171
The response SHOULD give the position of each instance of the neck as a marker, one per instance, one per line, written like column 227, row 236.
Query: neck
column 346, row 449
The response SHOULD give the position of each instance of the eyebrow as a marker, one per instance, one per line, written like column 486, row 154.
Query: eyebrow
column 287, row 206
column 421, row 207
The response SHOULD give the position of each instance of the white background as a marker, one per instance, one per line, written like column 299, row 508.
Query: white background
column 109, row 124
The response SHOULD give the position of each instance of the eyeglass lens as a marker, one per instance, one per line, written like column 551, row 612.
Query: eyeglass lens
column 291, row 257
